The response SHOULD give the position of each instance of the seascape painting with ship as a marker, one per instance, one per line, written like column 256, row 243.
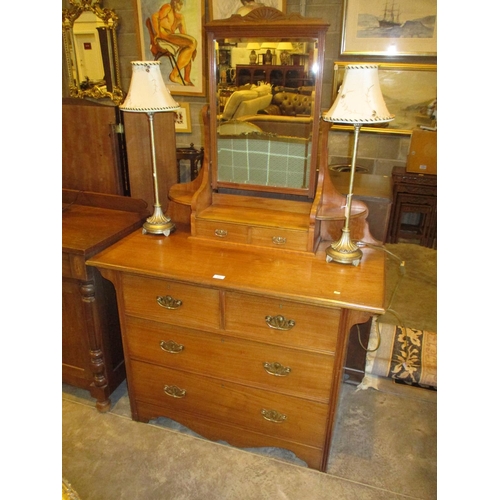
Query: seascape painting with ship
column 396, row 19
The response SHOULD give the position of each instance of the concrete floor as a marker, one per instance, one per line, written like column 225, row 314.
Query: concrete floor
column 384, row 447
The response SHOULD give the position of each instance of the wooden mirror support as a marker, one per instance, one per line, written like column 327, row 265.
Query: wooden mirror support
column 272, row 215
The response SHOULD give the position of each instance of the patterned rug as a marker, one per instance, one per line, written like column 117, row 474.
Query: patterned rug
column 401, row 353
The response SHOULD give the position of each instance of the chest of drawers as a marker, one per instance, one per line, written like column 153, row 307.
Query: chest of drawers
column 245, row 346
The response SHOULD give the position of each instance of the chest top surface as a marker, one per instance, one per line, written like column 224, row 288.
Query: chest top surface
column 274, row 273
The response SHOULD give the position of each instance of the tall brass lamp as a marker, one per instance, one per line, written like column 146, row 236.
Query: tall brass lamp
column 359, row 102
column 148, row 94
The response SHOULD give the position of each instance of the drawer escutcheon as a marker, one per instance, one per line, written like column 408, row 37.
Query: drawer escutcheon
column 221, row 233
column 174, row 391
column 279, row 323
column 273, row 416
column 171, row 346
column 168, row 302
column 277, row 369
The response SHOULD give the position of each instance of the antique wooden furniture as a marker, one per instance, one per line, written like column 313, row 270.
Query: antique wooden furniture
column 92, row 355
column 239, row 344
column 236, row 325
column 414, row 209
column 193, row 156
column 275, row 74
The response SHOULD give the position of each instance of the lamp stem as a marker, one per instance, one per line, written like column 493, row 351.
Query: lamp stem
column 351, row 178
column 158, row 223
column 344, row 251
column 153, row 157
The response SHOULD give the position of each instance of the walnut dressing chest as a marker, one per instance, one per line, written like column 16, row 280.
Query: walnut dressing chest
column 237, row 343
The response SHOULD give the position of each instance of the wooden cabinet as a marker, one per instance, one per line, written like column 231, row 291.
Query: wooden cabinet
column 414, row 209
column 92, row 353
column 245, row 346
column 279, row 75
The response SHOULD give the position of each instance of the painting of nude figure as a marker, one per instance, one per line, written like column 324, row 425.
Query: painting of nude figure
column 170, row 31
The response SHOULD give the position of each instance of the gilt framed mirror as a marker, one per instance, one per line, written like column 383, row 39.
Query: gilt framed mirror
column 265, row 76
column 91, row 51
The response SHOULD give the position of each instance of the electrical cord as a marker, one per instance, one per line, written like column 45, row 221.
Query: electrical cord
column 402, row 272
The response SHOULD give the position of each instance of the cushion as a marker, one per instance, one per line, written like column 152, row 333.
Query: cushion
column 235, row 99
column 252, row 106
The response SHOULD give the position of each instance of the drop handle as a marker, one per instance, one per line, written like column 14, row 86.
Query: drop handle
column 168, row 302
column 220, row 233
column 277, row 369
column 174, row 392
column 273, row 416
column 171, row 346
column 279, row 323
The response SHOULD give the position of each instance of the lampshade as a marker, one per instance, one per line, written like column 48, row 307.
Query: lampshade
column 359, row 99
column 269, row 45
column 284, row 46
column 147, row 92
column 253, row 46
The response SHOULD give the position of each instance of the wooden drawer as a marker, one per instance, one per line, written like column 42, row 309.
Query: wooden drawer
column 199, row 307
column 258, row 318
column 231, row 403
column 279, row 238
column 310, row 375
column 222, row 231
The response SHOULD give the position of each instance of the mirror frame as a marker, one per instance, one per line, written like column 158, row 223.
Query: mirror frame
column 261, row 23
column 110, row 20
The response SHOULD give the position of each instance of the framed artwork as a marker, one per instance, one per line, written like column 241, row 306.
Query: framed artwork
column 179, row 45
column 222, row 9
column 409, row 90
column 389, row 28
column 183, row 118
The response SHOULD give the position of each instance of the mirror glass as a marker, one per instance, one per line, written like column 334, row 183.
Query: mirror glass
column 265, row 105
column 90, row 48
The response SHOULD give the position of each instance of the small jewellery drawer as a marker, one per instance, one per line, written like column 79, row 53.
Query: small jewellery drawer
column 286, row 417
column 282, row 322
column 279, row 238
column 280, row 369
column 222, row 231
column 171, row 302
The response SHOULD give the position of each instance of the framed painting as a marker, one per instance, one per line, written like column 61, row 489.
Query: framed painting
column 182, row 118
column 409, row 90
column 222, row 9
column 171, row 31
column 389, row 28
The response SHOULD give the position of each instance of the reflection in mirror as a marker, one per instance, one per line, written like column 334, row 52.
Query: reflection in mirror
column 265, row 95
column 91, row 51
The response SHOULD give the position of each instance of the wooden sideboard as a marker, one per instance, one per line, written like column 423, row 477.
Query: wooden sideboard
column 92, row 353
column 239, row 343
column 280, row 75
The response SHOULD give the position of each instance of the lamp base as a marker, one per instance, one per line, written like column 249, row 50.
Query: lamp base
column 158, row 223
column 344, row 251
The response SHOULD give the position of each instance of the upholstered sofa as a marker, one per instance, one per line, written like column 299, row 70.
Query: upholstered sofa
column 286, row 113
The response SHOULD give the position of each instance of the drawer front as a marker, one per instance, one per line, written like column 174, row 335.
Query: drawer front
column 279, row 238
column 269, row 413
column 291, row 371
column 181, row 304
column 222, row 231
column 282, row 322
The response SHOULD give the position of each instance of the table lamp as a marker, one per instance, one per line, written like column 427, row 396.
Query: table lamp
column 359, row 102
column 148, row 94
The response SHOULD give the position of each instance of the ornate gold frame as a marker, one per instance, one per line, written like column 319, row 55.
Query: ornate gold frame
column 110, row 20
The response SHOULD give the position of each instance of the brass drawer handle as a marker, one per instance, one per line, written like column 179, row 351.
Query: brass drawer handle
column 273, row 416
column 168, row 302
column 171, row 346
column 277, row 369
column 280, row 323
column 220, row 233
column 174, row 391
column 279, row 240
